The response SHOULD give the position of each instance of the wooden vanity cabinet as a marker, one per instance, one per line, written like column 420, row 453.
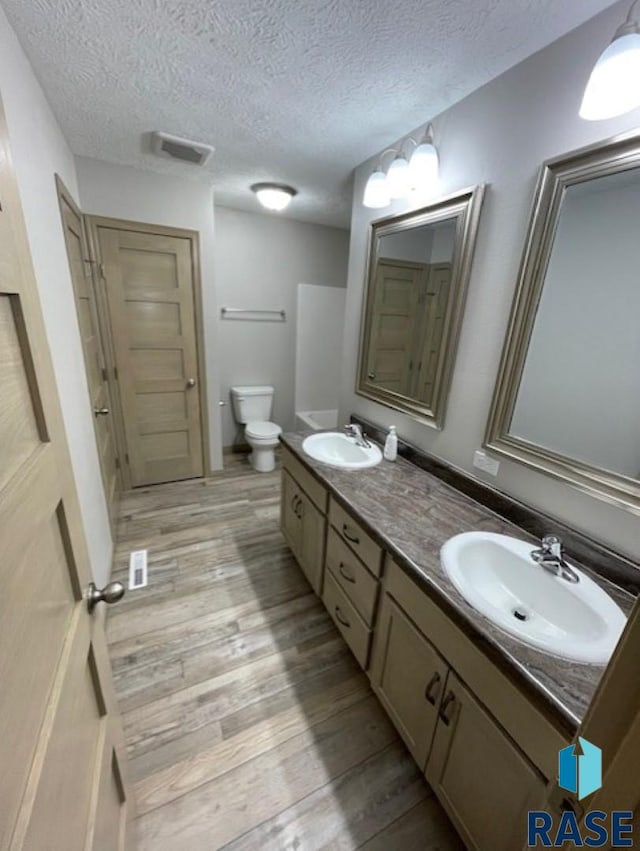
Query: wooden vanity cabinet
column 481, row 777
column 302, row 520
column 409, row 677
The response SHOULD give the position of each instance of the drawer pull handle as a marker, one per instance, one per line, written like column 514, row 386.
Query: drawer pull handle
column 340, row 618
column 447, row 708
column 432, row 690
column 350, row 537
column 300, row 509
column 293, row 503
column 344, row 573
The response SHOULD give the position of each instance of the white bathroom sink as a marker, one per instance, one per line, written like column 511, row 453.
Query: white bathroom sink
column 340, row 450
column 498, row 577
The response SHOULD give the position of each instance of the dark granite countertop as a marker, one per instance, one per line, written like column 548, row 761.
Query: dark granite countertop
column 411, row 513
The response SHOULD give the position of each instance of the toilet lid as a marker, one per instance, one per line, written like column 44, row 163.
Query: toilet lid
column 263, row 429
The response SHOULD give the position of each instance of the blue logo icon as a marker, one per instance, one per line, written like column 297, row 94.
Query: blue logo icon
column 580, row 768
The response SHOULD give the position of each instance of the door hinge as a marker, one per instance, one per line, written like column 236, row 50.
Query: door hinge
column 115, row 372
column 104, row 374
column 126, row 457
column 101, row 268
column 117, row 463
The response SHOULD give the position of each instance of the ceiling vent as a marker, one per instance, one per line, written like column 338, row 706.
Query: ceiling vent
column 175, row 148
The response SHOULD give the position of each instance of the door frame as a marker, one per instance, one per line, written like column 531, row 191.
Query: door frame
column 65, row 196
column 93, row 223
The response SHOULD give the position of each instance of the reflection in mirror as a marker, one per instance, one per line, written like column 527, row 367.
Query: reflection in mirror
column 418, row 268
column 580, row 388
column 568, row 395
column 411, row 291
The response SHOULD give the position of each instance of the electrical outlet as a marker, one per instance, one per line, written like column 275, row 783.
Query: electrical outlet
column 485, row 463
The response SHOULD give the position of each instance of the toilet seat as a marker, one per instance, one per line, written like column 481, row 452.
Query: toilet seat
column 263, row 430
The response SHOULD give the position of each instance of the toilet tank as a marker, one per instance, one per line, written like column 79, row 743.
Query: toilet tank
column 252, row 403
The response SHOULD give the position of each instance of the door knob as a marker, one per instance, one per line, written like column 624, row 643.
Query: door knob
column 191, row 382
column 111, row 593
column 101, row 412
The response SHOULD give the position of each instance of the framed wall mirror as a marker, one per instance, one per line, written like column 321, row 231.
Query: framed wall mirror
column 567, row 398
column 415, row 288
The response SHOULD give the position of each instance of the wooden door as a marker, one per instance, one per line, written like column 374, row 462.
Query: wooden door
column 469, row 745
column 63, row 782
column 393, row 322
column 409, row 678
column 150, row 286
column 100, row 399
column 436, row 299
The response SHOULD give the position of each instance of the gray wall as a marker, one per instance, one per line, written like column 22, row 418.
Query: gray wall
column 39, row 150
column 499, row 135
column 259, row 261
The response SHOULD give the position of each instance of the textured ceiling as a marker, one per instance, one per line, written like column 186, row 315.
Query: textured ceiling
column 298, row 91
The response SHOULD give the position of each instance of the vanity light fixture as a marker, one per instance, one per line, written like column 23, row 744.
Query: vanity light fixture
column 274, row 196
column 614, row 85
column 403, row 175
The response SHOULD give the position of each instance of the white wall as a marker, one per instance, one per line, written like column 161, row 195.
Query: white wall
column 499, row 135
column 319, row 330
column 39, row 150
column 580, row 388
column 160, row 199
column 260, row 260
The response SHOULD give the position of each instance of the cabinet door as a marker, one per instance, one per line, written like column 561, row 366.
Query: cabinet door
column 408, row 677
column 310, row 552
column 482, row 779
column 289, row 520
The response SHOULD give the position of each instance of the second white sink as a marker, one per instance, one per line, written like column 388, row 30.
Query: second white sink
column 339, row 450
column 498, row 577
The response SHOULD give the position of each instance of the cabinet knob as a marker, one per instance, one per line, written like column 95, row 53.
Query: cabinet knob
column 191, row 382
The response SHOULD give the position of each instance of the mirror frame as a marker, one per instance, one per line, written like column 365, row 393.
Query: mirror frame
column 464, row 207
column 613, row 156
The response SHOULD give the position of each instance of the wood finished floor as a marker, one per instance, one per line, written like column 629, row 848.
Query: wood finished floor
column 248, row 723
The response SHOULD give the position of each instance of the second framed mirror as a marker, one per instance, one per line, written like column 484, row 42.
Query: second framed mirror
column 415, row 289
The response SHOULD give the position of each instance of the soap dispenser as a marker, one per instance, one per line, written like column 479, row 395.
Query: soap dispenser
column 391, row 445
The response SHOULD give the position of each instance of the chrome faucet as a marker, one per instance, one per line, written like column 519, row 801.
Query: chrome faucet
column 550, row 556
column 355, row 431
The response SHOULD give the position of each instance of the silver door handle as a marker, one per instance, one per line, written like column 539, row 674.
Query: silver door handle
column 191, row 382
column 100, row 412
column 111, row 593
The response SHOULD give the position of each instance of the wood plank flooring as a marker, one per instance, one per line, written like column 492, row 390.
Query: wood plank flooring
column 249, row 725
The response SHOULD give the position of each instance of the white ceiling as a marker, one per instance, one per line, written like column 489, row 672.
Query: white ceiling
column 298, row 91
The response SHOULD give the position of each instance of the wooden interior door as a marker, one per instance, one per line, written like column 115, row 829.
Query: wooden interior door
column 102, row 407
column 396, row 294
column 436, row 298
column 63, row 782
column 150, row 287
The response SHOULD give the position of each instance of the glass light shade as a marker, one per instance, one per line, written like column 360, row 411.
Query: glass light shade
column 614, row 84
column 399, row 178
column 423, row 166
column 274, row 196
column 376, row 192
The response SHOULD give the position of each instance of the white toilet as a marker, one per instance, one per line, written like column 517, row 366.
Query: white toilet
column 252, row 407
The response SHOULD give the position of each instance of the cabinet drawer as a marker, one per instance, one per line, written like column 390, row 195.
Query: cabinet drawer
column 360, row 542
column 352, row 576
column 353, row 628
column 311, row 486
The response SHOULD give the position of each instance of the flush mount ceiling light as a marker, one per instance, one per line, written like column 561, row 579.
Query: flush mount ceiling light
column 404, row 175
column 274, row 196
column 614, row 84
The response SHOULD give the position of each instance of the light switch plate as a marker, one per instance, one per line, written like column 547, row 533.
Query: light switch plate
column 485, row 463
